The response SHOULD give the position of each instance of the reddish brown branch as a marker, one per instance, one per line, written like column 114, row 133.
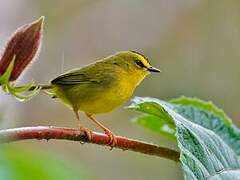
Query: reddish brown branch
column 44, row 132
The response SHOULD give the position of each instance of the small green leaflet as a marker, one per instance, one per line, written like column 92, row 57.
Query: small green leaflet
column 17, row 91
column 205, row 154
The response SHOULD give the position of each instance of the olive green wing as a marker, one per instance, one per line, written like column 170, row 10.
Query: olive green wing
column 100, row 72
column 74, row 77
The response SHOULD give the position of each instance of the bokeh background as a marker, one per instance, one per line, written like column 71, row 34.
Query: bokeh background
column 196, row 43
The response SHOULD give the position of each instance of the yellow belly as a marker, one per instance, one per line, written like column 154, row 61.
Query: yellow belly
column 105, row 102
column 94, row 99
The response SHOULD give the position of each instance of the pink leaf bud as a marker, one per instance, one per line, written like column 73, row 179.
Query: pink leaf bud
column 24, row 45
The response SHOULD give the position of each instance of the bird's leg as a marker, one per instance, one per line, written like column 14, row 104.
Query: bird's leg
column 87, row 131
column 109, row 133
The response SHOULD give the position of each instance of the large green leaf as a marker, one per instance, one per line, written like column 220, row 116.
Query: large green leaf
column 209, row 116
column 204, row 154
column 200, row 112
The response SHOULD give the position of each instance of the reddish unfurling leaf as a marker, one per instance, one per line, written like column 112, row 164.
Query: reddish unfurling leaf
column 23, row 45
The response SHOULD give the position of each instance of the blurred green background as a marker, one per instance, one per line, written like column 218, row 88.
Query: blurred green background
column 196, row 43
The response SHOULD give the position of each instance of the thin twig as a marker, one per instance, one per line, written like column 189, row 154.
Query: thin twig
column 45, row 132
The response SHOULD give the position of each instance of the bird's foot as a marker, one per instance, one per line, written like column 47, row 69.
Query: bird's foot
column 113, row 140
column 87, row 131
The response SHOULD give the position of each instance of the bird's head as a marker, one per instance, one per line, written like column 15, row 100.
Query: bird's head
column 135, row 64
column 134, row 61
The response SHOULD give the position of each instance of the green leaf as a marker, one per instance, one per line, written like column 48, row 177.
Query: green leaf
column 22, row 164
column 151, row 108
column 17, row 91
column 203, row 105
column 209, row 116
column 157, row 125
column 154, row 118
column 4, row 79
column 204, row 154
column 201, row 112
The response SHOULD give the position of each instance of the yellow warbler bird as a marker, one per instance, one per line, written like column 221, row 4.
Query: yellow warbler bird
column 101, row 86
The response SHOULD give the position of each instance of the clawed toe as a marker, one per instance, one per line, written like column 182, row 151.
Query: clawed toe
column 87, row 131
column 112, row 138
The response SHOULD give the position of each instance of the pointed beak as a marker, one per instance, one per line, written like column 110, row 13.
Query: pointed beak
column 153, row 69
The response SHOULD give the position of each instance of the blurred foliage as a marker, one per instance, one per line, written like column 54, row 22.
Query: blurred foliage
column 207, row 139
column 23, row 164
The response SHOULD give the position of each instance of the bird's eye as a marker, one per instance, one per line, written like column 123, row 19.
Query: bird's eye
column 139, row 63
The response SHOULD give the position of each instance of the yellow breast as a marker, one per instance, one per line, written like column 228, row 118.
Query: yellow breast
column 109, row 98
column 99, row 99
